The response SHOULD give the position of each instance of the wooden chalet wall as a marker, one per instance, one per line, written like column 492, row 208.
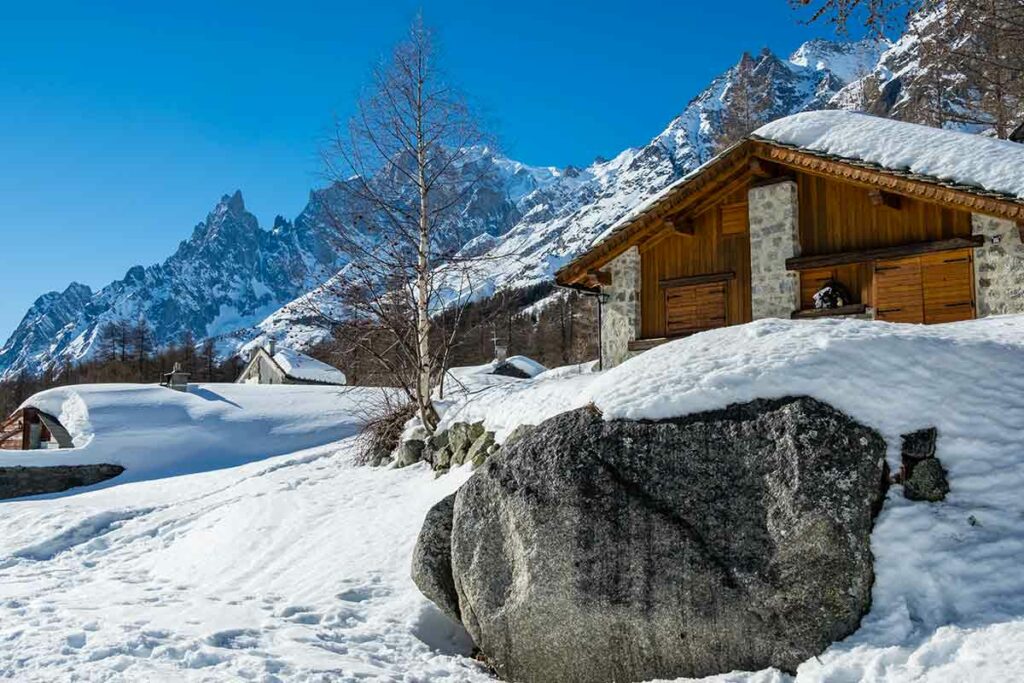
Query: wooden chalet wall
column 837, row 216
column 715, row 247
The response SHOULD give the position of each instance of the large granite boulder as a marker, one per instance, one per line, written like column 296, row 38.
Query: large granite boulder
column 627, row 550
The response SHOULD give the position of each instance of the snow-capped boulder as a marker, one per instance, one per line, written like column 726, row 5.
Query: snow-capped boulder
column 733, row 539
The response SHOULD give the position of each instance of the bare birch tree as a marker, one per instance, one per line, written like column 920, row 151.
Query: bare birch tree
column 401, row 170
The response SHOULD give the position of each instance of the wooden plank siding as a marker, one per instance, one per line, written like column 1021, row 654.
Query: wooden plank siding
column 837, row 217
column 708, row 251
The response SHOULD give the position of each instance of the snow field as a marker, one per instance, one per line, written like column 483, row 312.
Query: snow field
column 295, row 568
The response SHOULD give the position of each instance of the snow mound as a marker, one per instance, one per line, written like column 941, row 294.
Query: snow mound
column 948, row 600
column 157, row 432
column 300, row 366
column 965, row 159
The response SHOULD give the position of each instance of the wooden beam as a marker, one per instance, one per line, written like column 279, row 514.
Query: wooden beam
column 601, row 277
column 757, row 168
column 697, row 279
column 681, row 226
column 852, row 309
column 882, row 254
column 883, row 198
column 647, row 344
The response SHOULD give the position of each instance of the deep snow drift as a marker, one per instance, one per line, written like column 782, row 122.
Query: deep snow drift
column 154, row 431
column 297, row 567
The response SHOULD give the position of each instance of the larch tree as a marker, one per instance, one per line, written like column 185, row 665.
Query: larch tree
column 401, row 167
column 746, row 103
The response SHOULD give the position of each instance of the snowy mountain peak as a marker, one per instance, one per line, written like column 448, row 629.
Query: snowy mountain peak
column 847, row 61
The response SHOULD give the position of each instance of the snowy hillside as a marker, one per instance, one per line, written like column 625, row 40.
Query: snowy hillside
column 297, row 567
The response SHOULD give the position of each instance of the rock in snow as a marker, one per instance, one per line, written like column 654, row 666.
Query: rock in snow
column 593, row 550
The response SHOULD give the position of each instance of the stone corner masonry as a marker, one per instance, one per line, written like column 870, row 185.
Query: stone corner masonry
column 774, row 237
column 620, row 311
column 998, row 267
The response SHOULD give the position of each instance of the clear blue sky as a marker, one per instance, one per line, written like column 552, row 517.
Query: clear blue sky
column 122, row 124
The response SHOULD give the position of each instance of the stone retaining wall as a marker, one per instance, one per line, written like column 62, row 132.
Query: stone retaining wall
column 16, row 482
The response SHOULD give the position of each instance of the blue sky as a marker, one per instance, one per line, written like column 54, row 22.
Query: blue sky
column 121, row 124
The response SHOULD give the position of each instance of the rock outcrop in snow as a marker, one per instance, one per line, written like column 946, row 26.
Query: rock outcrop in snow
column 732, row 540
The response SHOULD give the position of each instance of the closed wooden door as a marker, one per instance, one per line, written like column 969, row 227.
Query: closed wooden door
column 694, row 308
column 933, row 288
column 898, row 291
column 948, row 280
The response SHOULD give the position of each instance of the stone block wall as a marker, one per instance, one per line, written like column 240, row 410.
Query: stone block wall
column 620, row 312
column 774, row 237
column 31, row 481
column 998, row 267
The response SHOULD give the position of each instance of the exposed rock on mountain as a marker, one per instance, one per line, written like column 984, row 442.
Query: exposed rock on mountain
column 597, row 551
column 238, row 282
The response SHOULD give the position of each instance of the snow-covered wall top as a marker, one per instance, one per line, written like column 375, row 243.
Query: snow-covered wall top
column 961, row 158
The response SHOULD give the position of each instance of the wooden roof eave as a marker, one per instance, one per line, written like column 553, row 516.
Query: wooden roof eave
column 864, row 174
column 722, row 171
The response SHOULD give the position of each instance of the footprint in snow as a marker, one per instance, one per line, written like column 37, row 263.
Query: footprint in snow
column 235, row 639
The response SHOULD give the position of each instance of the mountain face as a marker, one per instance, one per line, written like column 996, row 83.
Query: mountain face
column 238, row 282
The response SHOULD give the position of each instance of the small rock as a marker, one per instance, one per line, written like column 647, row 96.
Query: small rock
column 409, row 453
column 442, row 458
column 431, row 558
column 478, row 452
column 919, row 445
column 926, row 481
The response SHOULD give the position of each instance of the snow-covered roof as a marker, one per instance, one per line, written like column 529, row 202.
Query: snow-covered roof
column 300, row 366
column 964, row 159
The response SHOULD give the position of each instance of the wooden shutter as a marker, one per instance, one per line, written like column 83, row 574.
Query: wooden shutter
column 898, row 296
column 694, row 308
column 948, row 288
column 734, row 219
column 932, row 288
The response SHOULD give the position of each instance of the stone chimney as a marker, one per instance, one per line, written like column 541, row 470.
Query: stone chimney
column 500, row 353
column 176, row 379
column 271, row 346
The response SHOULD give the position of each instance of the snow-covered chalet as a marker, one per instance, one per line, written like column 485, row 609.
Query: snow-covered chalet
column 825, row 213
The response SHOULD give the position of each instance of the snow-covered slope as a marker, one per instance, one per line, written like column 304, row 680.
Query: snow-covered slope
column 154, row 431
column 948, row 601
column 297, row 567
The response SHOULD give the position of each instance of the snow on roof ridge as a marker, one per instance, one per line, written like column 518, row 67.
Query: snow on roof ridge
column 966, row 159
column 298, row 365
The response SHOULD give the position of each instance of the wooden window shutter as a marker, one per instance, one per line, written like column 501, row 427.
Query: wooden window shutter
column 898, row 291
column 694, row 308
column 931, row 288
column 948, row 287
column 734, row 219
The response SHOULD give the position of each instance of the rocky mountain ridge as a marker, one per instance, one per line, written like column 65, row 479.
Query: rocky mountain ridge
column 238, row 282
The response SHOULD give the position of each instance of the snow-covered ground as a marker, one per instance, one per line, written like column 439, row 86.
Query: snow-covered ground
column 297, row 567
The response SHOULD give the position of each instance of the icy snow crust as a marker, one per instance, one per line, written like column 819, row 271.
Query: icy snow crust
column 962, row 158
column 297, row 567
column 156, row 432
